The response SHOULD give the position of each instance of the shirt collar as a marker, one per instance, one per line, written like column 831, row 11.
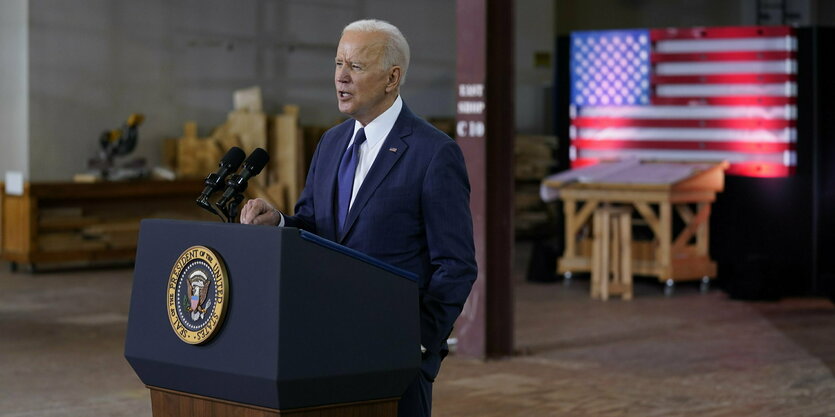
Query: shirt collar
column 380, row 127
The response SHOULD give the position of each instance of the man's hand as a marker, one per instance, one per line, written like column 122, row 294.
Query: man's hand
column 258, row 211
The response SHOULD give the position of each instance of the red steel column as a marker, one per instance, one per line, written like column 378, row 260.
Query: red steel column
column 485, row 130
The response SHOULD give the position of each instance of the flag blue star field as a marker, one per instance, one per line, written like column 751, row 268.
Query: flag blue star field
column 700, row 94
column 610, row 67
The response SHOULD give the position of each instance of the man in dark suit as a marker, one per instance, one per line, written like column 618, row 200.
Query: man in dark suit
column 390, row 185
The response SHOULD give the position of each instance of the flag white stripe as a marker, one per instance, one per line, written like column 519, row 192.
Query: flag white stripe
column 706, row 134
column 776, row 157
column 788, row 89
column 726, row 45
column 688, row 112
column 790, row 158
column 783, row 66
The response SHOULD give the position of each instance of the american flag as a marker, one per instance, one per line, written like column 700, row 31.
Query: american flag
column 701, row 94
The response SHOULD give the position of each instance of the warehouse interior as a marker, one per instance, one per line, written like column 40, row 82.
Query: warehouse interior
column 179, row 83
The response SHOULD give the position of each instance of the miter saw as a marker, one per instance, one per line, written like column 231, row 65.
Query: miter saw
column 120, row 142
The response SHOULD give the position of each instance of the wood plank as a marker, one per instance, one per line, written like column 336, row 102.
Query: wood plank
column 287, row 162
column 643, row 176
column 692, row 225
column 712, row 179
column 703, row 234
column 649, row 216
column 624, row 286
column 61, row 222
column 628, row 196
column 665, row 239
column 684, row 212
column 56, row 224
column 570, row 211
column 251, row 130
column 165, row 403
column 109, row 190
column 692, row 269
column 585, row 213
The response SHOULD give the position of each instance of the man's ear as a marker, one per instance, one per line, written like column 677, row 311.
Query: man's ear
column 394, row 79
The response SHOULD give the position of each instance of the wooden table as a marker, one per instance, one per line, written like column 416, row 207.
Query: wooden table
column 656, row 190
column 70, row 222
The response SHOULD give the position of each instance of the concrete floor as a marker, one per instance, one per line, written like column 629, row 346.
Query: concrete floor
column 692, row 354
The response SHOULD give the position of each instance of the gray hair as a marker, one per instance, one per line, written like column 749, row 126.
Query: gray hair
column 396, row 48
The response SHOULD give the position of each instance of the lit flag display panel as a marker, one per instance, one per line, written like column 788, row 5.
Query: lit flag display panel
column 702, row 94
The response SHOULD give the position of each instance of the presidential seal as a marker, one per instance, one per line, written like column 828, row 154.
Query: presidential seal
column 198, row 292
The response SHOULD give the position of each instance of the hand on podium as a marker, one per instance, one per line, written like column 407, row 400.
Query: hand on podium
column 259, row 212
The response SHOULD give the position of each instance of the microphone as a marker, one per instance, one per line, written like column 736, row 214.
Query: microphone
column 228, row 164
column 237, row 183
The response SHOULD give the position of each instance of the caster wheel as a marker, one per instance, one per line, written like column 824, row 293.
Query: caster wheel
column 704, row 287
column 669, row 288
column 567, row 278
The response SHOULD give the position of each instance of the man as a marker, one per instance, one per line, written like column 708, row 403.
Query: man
column 404, row 199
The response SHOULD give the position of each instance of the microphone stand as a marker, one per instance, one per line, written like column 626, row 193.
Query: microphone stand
column 230, row 209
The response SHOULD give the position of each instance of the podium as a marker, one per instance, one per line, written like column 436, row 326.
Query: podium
column 308, row 327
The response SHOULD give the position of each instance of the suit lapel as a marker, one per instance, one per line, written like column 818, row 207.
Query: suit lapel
column 382, row 165
column 330, row 168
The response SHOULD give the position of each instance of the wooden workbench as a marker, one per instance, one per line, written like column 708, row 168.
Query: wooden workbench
column 68, row 222
column 656, row 190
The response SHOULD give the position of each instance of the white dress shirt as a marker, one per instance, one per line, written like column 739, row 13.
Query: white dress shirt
column 375, row 134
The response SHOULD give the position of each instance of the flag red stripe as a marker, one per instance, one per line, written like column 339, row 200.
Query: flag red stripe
column 747, row 169
column 583, row 162
column 725, row 101
column 723, row 56
column 604, row 122
column 759, row 169
column 723, row 79
column 722, row 32
column 730, row 146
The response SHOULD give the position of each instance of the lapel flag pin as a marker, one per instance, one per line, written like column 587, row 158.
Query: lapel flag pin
column 392, row 149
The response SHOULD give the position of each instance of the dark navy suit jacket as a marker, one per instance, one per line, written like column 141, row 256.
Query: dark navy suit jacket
column 411, row 211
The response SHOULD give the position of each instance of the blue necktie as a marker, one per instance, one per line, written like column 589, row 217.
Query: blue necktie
column 345, row 178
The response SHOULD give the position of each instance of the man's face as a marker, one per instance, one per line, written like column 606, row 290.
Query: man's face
column 361, row 82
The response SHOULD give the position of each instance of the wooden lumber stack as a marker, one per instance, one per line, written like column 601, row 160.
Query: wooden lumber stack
column 287, row 167
column 195, row 156
column 247, row 126
column 534, row 160
column 534, row 156
column 73, row 228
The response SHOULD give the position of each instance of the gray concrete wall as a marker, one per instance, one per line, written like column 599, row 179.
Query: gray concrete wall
column 93, row 62
column 534, row 30
column 617, row 14
column 13, row 82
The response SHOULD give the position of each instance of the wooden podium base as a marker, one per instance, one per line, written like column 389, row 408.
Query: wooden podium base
column 167, row 403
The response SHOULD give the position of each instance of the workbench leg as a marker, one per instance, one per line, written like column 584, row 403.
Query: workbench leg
column 596, row 254
column 665, row 240
column 605, row 265
column 703, row 233
column 626, row 255
column 570, row 211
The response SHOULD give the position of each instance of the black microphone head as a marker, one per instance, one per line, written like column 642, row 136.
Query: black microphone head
column 233, row 158
column 256, row 161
